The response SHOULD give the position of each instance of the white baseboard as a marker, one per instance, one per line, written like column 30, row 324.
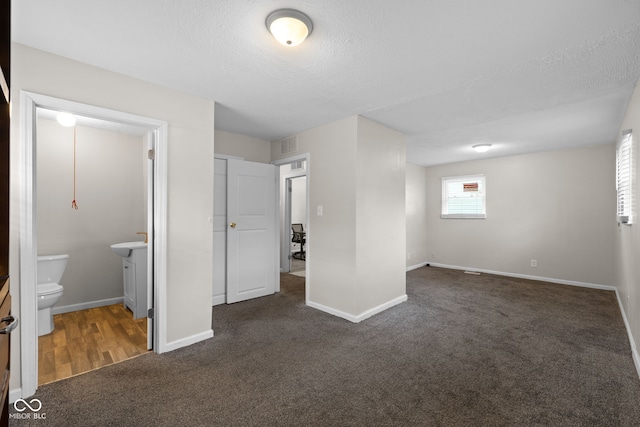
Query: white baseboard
column 634, row 349
column 415, row 267
column 632, row 342
column 187, row 341
column 15, row 394
column 362, row 316
column 527, row 276
column 87, row 305
column 218, row 299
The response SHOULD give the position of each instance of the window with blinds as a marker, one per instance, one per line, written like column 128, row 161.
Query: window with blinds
column 464, row 197
column 625, row 172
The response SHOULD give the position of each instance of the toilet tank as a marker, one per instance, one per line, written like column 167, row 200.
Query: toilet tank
column 51, row 268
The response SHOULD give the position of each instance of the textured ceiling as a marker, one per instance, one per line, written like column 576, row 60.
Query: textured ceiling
column 525, row 76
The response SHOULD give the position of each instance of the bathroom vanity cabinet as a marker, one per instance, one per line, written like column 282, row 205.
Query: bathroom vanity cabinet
column 134, row 269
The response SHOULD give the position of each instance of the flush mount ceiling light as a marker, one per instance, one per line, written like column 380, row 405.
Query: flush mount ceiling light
column 481, row 148
column 290, row 27
column 66, row 119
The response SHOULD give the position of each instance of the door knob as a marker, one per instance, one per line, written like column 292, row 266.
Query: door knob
column 12, row 324
column 232, row 225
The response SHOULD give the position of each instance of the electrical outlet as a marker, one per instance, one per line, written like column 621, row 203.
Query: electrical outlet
column 408, row 255
column 534, row 263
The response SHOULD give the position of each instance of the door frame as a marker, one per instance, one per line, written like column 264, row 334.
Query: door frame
column 309, row 247
column 29, row 101
column 288, row 184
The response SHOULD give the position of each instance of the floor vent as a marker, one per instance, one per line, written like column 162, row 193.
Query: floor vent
column 289, row 145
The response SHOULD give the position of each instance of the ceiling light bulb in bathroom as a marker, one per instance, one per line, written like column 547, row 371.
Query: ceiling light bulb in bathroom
column 66, row 119
column 482, row 148
column 290, row 27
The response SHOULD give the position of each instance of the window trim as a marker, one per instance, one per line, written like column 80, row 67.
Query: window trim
column 463, row 178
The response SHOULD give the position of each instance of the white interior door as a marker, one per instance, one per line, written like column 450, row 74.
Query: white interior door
column 219, row 232
column 252, row 253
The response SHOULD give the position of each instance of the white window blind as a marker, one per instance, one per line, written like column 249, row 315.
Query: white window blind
column 625, row 173
column 464, row 197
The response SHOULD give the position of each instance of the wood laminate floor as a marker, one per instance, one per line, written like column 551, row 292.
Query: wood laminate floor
column 88, row 339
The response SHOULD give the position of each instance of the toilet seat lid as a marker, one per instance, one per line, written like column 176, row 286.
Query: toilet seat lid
column 49, row 288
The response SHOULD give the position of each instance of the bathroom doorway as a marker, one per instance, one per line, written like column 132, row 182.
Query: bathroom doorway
column 92, row 185
column 156, row 138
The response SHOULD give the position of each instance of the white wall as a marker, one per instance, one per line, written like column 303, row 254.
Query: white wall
column 190, row 178
column 299, row 201
column 246, row 147
column 380, row 218
column 627, row 240
column 556, row 207
column 111, row 205
column 331, row 237
column 416, row 208
column 340, row 183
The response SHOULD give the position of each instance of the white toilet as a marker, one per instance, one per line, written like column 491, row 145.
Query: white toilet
column 50, row 271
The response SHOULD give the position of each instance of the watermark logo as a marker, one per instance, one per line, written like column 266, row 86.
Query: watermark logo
column 21, row 405
column 34, row 405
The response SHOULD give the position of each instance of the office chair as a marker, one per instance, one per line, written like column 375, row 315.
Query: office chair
column 299, row 236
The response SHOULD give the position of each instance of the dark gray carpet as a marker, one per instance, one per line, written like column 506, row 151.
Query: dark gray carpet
column 462, row 351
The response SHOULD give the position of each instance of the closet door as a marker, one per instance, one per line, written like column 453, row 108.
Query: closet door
column 252, row 245
column 219, row 232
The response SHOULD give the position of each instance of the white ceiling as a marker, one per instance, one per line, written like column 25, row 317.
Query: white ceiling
column 525, row 75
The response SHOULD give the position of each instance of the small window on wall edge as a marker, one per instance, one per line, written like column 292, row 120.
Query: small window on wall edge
column 625, row 178
column 464, row 197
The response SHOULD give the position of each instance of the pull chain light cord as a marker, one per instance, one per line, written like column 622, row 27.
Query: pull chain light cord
column 74, row 205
